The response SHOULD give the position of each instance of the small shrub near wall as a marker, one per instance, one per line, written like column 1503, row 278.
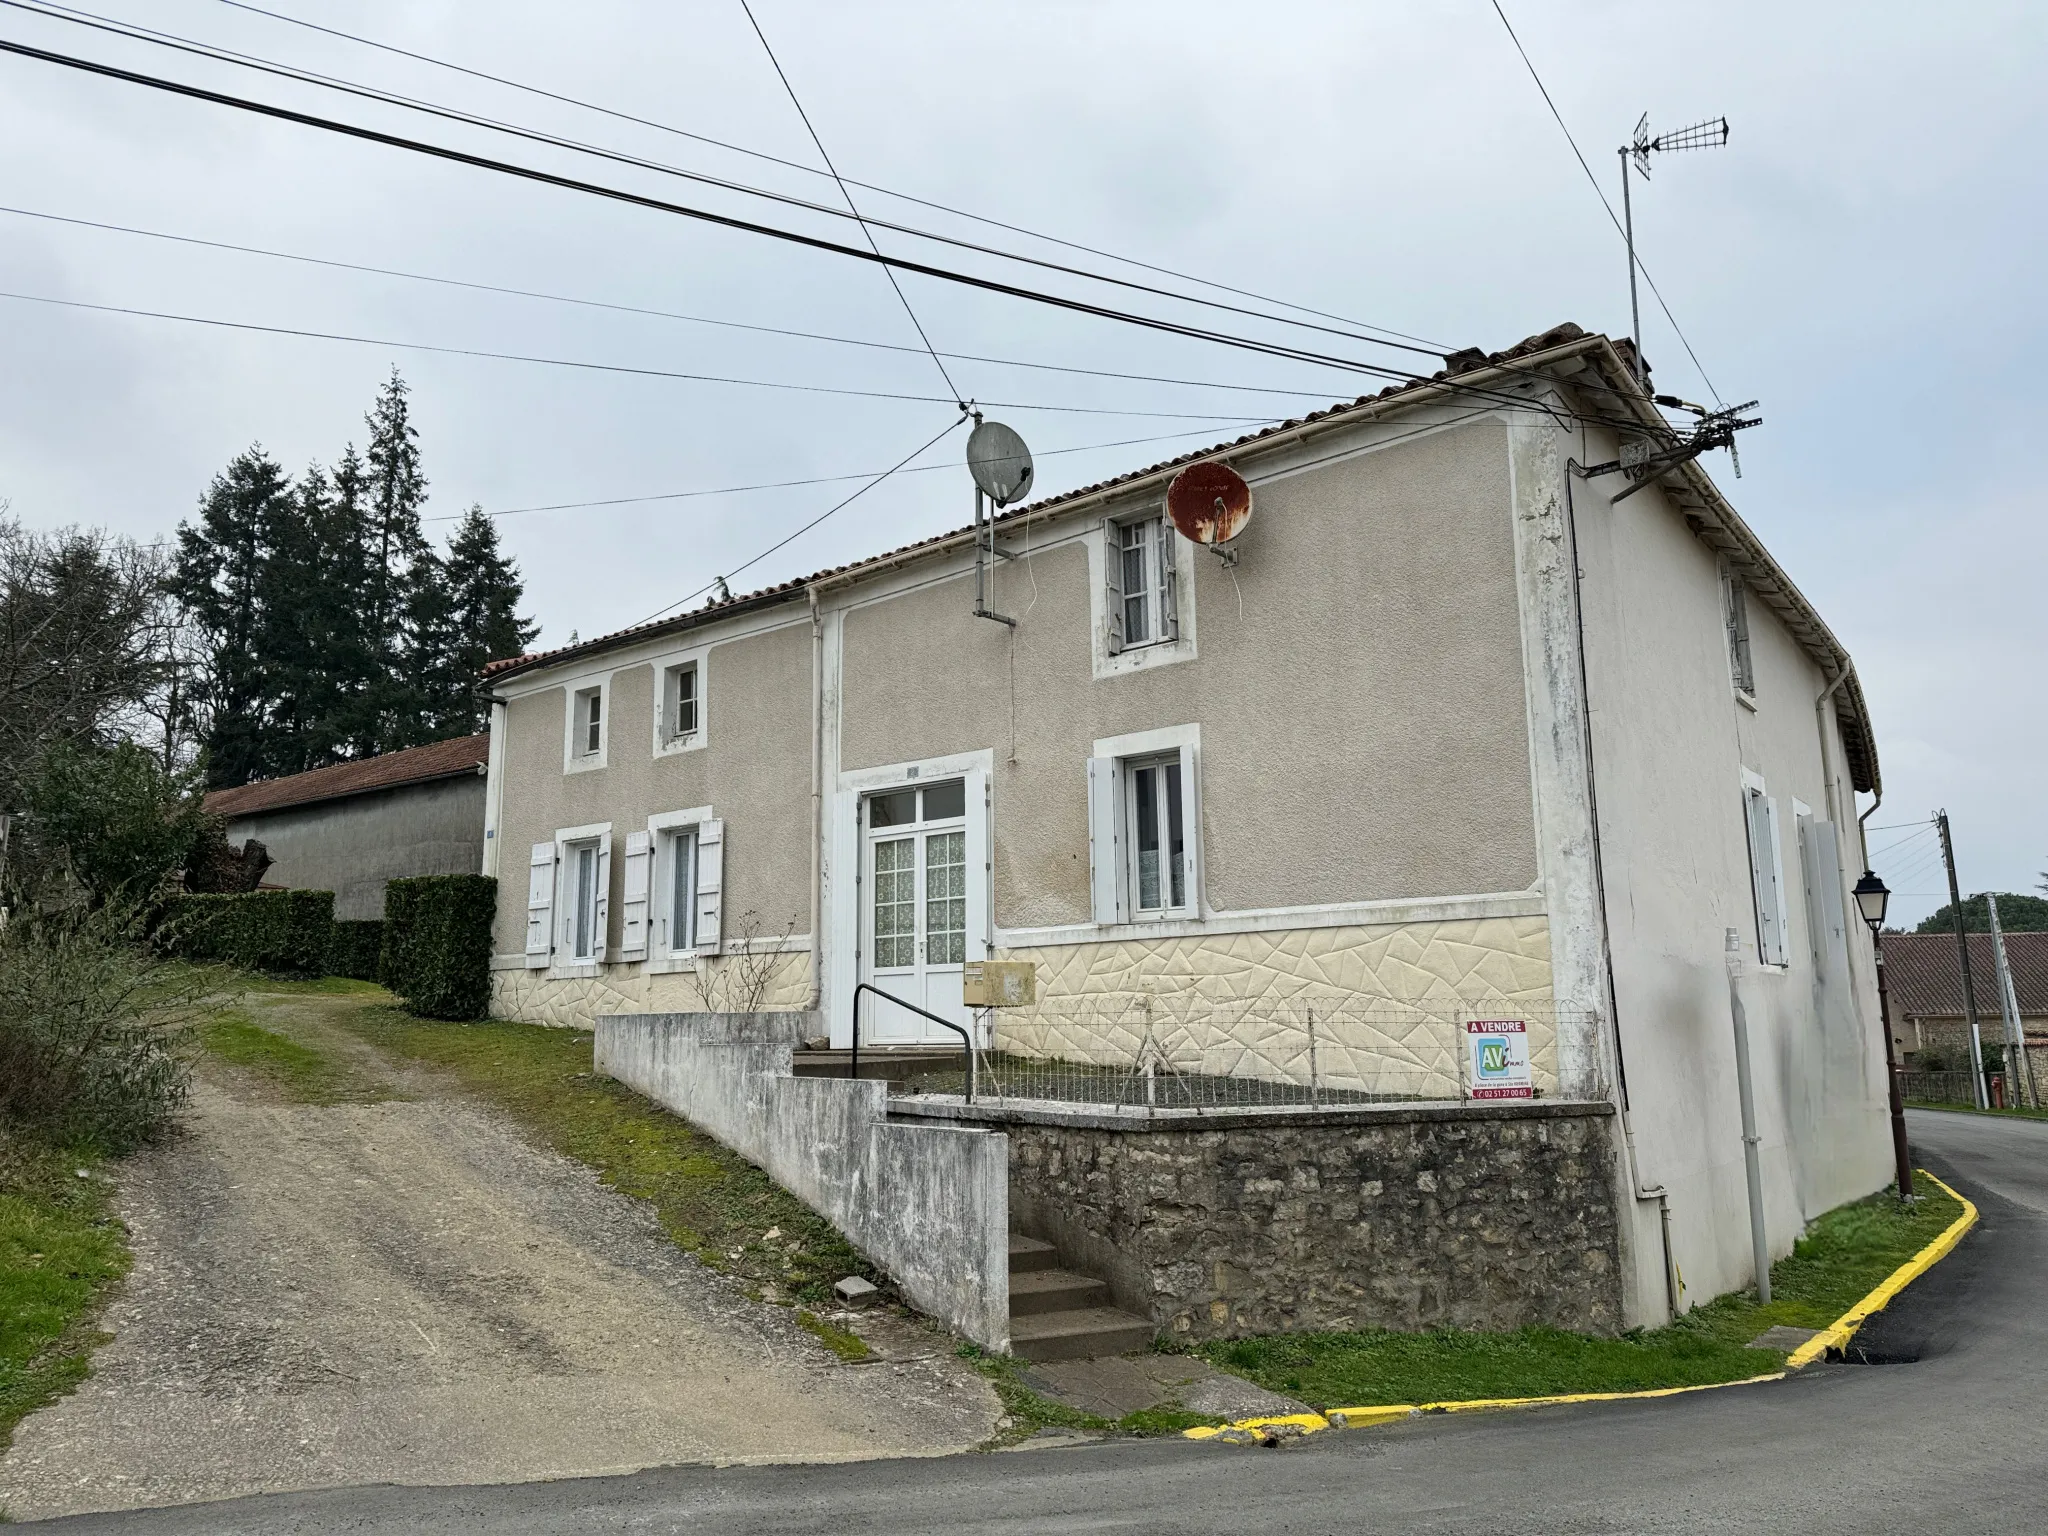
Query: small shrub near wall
column 356, row 948
column 437, row 944
column 282, row 933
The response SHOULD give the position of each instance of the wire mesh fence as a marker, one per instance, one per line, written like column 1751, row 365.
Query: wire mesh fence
column 1158, row 1054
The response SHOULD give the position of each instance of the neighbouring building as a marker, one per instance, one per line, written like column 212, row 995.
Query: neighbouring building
column 1460, row 735
column 1923, row 975
column 351, row 827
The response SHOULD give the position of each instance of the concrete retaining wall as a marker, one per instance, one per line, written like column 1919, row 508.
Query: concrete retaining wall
column 927, row 1202
column 1397, row 1216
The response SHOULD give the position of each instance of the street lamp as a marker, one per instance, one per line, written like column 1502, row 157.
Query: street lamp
column 1872, row 896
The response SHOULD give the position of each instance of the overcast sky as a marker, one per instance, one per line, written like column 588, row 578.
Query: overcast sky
column 1863, row 257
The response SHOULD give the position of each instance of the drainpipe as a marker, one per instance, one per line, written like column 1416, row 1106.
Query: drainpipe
column 1745, row 1089
column 817, row 800
column 1820, row 721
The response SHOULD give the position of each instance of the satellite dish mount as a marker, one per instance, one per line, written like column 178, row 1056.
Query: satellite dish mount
column 1003, row 472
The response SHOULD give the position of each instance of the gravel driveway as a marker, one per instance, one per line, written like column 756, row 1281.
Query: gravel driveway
column 407, row 1291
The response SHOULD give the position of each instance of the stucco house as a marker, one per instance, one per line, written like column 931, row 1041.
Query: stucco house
column 351, row 827
column 1459, row 734
column 1924, row 987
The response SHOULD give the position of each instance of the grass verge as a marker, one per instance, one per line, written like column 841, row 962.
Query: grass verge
column 1029, row 1412
column 850, row 1347
column 710, row 1200
column 60, row 1248
column 2014, row 1112
column 293, row 1068
column 1842, row 1257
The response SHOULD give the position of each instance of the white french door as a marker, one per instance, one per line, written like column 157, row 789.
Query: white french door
column 914, row 919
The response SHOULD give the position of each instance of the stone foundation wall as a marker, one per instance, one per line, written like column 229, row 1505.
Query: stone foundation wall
column 576, row 1002
column 1395, row 1217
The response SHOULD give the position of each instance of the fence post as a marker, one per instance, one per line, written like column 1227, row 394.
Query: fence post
column 1315, row 1082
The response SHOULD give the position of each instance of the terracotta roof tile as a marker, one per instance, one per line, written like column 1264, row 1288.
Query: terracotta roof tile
column 415, row 765
column 1924, row 974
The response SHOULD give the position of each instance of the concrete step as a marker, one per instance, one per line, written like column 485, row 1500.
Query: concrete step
column 891, row 1063
column 1054, row 1290
column 1077, row 1335
column 1029, row 1253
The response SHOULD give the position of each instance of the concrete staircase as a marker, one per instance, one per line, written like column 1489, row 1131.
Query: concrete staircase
column 1056, row 1314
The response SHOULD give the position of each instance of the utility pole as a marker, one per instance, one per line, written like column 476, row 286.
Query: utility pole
column 2020, row 1088
column 1948, row 856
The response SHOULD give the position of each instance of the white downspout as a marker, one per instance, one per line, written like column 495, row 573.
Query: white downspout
column 817, row 989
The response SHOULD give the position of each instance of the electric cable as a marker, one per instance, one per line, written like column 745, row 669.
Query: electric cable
column 811, row 170
column 659, row 314
column 566, row 362
column 1600, row 192
column 617, row 194
column 866, row 233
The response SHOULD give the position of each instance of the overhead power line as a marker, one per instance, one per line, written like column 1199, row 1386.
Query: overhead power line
column 658, row 314
column 811, row 170
column 578, row 363
column 1612, row 218
column 636, row 199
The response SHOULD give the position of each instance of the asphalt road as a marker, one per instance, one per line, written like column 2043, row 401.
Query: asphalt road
column 1953, row 1438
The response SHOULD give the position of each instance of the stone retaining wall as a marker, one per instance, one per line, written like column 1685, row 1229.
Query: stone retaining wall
column 1391, row 1216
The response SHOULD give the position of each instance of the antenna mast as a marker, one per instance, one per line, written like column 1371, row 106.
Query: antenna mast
column 1712, row 133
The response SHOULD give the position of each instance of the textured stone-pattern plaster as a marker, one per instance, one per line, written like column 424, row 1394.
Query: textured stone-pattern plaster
column 574, row 1002
column 1387, row 1001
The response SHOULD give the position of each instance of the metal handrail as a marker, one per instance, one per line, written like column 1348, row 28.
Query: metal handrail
column 966, row 1039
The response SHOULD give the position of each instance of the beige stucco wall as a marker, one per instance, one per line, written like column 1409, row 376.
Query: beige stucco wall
column 754, row 771
column 1358, row 687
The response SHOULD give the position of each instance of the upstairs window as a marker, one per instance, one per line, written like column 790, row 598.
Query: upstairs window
column 587, row 722
column 1141, row 598
column 1739, row 665
column 679, row 703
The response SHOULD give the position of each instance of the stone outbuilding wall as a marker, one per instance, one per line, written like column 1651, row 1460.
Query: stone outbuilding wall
column 1405, row 1216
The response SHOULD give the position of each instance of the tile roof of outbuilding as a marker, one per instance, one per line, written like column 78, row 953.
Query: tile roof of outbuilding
column 1924, row 973
column 415, row 765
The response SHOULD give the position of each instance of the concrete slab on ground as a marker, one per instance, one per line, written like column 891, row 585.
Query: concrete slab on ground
column 1114, row 1385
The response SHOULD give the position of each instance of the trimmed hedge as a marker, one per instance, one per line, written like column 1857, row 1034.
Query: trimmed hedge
column 437, row 944
column 282, row 933
column 358, row 944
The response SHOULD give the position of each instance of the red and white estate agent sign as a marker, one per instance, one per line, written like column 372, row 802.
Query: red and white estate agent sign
column 1499, row 1067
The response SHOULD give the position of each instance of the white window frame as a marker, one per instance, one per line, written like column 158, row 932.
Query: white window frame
column 1735, row 619
column 1174, row 571
column 569, row 841
column 667, row 740
column 667, row 830
column 575, row 723
column 1149, row 535
column 1112, row 844
column 1766, row 863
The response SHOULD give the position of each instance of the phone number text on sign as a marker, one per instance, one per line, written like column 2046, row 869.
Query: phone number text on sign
column 1499, row 1064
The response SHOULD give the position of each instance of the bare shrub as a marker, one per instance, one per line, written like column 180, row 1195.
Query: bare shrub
column 740, row 982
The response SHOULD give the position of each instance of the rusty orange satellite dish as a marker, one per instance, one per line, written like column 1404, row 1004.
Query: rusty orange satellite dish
column 1209, row 503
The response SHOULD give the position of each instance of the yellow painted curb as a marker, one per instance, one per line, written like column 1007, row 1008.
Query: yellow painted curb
column 1834, row 1336
column 1839, row 1332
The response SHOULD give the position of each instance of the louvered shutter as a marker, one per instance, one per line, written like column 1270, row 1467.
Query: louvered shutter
column 1169, row 581
column 633, row 898
column 1105, row 858
column 1191, row 822
column 710, row 884
column 601, row 937
column 540, row 903
column 1113, row 586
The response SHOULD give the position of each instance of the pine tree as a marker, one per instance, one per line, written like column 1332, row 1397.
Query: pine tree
column 219, row 578
column 484, row 591
column 394, row 491
column 290, row 640
column 352, row 659
column 433, row 689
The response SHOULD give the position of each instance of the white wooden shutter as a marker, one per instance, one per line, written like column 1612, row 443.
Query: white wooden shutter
column 1113, row 585
column 1105, row 858
column 1191, row 822
column 1766, row 876
column 601, row 924
column 710, row 884
column 540, row 902
column 1168, row 555
column 633, row 907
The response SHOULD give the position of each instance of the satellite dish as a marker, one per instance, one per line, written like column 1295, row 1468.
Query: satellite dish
column 999, row 462
column 1209, row 503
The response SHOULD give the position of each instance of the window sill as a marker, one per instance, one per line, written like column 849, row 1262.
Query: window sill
column 1746, row 700
column 678, row 744
column 586, row 764
column 672, row 965
column 585, row 971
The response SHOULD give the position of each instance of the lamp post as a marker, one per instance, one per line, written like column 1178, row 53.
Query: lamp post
column 1872, row 895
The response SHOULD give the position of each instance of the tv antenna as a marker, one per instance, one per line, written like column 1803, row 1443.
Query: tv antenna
column 1711, row 133
column 1002, row 470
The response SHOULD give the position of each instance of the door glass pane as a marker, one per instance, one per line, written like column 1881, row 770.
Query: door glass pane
column 1147, row 817
column 1176, row 860
column 945, row 898
column 682, row 902
column 898, row 808
column 943, row 802
column 895, row 903
column 586, row 898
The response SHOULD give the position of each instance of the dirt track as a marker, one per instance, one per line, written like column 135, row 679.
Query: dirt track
column 406, row 1291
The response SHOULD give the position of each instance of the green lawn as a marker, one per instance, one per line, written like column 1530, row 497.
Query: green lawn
column 59, row 1249
column 296, row 1070
column 712, row 1201
column 1844, row 1255
column 1971, row 1109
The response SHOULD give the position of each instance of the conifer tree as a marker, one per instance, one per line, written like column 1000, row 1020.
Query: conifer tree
column 394, row 491
column 484, row 590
